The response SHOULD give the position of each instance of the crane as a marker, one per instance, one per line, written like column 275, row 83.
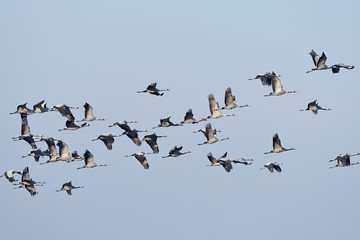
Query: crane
column 9, row 174
column 343, row 160
column 230, row 100
column 272, row 165
column 107, row 139
column 89, row 161
column 68, row 187
column 175, row 152
column 277, row 87
column 214, row 108
column 277, row 148
column 89, row 116
column 314, row 107
column 265, row 78
column 153, row 90
column 140, row 156
column 131, row 133
column 151, row 139
column 189, row 118
column 210, row 136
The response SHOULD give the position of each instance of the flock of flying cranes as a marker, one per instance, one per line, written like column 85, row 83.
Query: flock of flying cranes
column 63, row 154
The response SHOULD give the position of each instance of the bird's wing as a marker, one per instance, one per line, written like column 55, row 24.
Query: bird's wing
column 224, row 156
column 227, row 165
column 322, row 60
column 276, row 142
column 213, row 104
column 276, row 84
column 142, row 159
column 88, row 111
column 39, row 105
column 25, row 174
column 63, row 149
column 229, row 98
column 66, row 112
column 211, row 158
column 70, row 124
column 189, row 115
column 266, row 79
column 125, row 127
column 277, row 168
column 312, row 104
column 209, row 133
column 89, row 158
column 315, row 57
column 175, row 150
column 152, row 86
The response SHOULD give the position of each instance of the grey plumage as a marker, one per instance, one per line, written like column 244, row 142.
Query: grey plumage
column 271, row 166
column 210, row 136
column 229, row 100
column 314, row 107
column 89, row 115
column 343, row 160
column 68, row 187
column 175, row 152
column 151, row 140
column 277, row 147
column 89, row 161
column 153, row 90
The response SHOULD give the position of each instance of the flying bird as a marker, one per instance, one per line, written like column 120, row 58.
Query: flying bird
column 265, row 78
column 51, row 147
column 63, row 152
column 189, row 118
column 277, row 148
column 89, row 116
column 214, row 108
column 314, row 107
column 37, row 153
column 140, row 156
column 22, row 109
column 165, row 122
column 68, row 187
column 203, row 131
column 223, row 161
column 65, row 111
column 107, row 139
column 131, row 133
column 153, row 90
column 277, row 87
column 40, row 107
column 343, row 160
column 319, row 61
column 151, row 139
column 230, row 100
column 70, row 125
column 25, row 128
column 28, row 183
column 245, row 161
column 175, row 152
column 336, row 67
column 9, row 174
column 27, row 138
column 272, row 165
column 210, row 136
column 89, row 161
column 76, row 157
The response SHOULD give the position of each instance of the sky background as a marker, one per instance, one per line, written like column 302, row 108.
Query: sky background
column 100, row 52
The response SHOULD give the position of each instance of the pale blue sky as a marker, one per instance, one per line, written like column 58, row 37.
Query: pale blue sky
column 100, row 52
